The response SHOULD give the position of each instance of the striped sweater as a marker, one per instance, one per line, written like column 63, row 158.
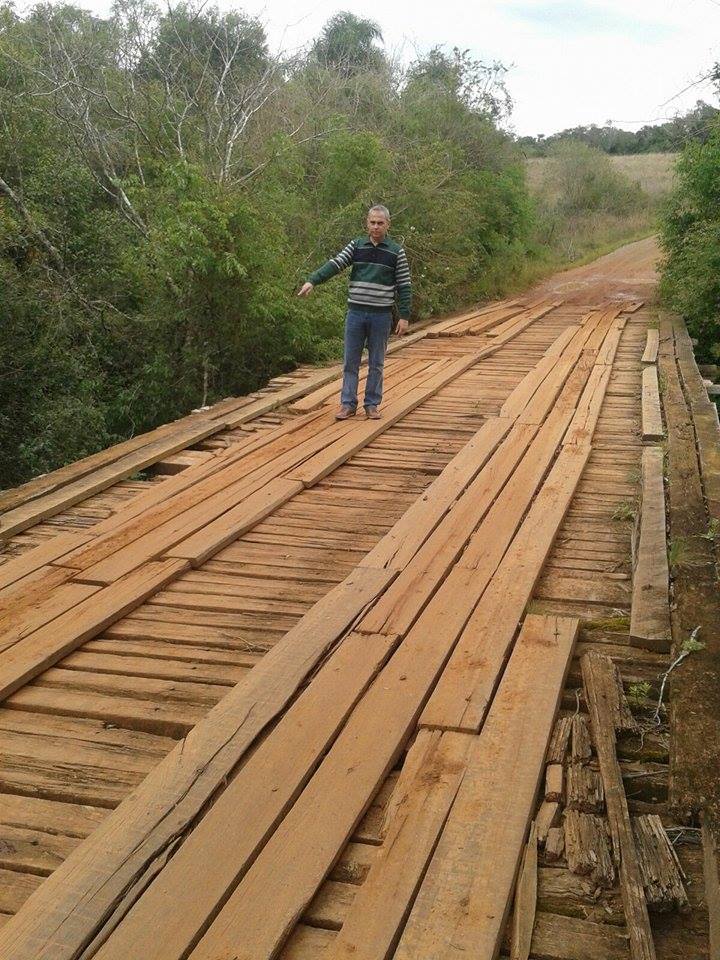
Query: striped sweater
column 379, row 273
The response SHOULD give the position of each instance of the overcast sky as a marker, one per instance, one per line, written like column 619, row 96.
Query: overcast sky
column 572, row 61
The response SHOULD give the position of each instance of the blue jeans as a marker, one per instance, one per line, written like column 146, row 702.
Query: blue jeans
column 365, row 327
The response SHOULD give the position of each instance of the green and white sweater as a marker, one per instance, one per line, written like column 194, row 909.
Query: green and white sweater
column 379, row 273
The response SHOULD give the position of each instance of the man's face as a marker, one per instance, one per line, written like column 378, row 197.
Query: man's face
column 377, row 226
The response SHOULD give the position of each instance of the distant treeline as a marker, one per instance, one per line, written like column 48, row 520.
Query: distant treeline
column 671, row 137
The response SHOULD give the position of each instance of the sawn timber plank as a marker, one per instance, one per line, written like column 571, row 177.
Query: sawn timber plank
column 464, row 899
column 652, row 426
column 651, row 347
column 225, row 842
column 650, row 612
column 45, row 646
column 74, row 903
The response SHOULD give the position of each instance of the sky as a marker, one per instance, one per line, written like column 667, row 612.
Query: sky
column 571, row 62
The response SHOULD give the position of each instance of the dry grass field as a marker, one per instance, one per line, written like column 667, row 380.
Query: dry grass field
column 653, row 171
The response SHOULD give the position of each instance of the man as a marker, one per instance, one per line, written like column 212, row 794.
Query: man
column 379, row 272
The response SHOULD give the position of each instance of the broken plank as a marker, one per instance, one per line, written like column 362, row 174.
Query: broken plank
column 597, row 677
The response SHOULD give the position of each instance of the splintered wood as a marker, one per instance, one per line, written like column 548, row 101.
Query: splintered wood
column 323, row 666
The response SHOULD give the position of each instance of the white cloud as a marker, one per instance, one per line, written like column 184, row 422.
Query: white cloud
column 574, row 61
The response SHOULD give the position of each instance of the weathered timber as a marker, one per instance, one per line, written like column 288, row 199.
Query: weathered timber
column 525, row 903
column 599, row 682
column 659, row 866
column 584, row 789
column 650, row 612
column 652, row 425
column 586, row 847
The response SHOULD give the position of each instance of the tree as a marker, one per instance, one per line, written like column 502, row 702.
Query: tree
column 348, row 44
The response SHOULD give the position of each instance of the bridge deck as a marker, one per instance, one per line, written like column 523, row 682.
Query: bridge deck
column 321, row 663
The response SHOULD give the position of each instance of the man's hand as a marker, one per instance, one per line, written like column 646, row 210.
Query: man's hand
column 305, row 290
column 401, row 328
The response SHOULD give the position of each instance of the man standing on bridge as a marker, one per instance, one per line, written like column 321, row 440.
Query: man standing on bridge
column 379, row 272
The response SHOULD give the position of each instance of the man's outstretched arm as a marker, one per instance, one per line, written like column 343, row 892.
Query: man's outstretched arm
column 330, row 269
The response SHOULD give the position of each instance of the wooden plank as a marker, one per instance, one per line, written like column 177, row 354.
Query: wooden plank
column 35, row 813
column 525, row 901
column 466, row 894
column 598, row 678
column 21, row 621
column 25, row 568
column 462, row 695
column 234, row 522
column 421, row 803
column 363, row 432
column 75, row 901
column 651, row 347
column 45, row 646
column 660, row 869
column 221, row 847
column 650, row 614
column 652, row 425
column 48, row 505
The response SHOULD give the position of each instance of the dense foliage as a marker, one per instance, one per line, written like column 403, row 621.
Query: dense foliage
column 691, row 240
column 166, row 184
column 668, row 137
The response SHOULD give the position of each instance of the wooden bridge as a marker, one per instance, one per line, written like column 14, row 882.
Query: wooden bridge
column 274, row 685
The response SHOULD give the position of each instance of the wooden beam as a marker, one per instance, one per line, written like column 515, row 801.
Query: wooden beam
column 651, row 347
column 650, row 612
column 525, row 903
column 652, row 425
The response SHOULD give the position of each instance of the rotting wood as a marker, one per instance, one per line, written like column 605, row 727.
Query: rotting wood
column 555, row 844
column 659, row 866
column 559, row 741
column 650, row 612
column 711, row 874
column 584, row 789
column 586, row 847
column 548, row 816
column 554, row 779
column 598, row 679
column 581, row 744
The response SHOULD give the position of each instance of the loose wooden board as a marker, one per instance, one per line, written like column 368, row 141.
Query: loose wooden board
column 465, row 896
column 652, row 425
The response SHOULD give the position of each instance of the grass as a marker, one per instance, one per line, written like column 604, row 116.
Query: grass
column 654, row 172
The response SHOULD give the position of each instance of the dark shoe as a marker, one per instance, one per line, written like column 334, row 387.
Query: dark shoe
column 344, row 413
column 372, row 413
